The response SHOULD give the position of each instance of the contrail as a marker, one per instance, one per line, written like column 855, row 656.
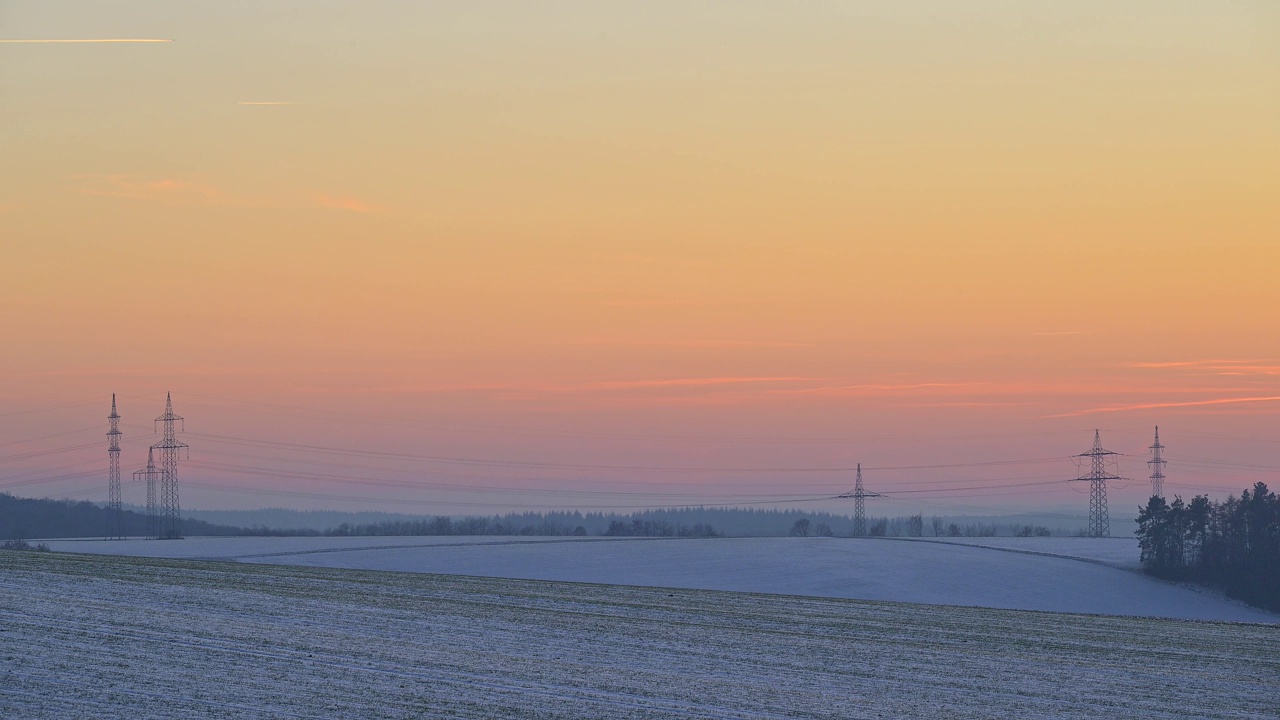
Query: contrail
column 88, row 40
column 265, row 102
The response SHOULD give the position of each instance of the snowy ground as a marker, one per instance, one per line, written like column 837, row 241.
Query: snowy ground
column 1117, row 552
column 1079, row 575
column 100, row 636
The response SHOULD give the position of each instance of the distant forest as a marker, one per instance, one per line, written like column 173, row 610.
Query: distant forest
column 1234, row 544
column 23, row 518
column 685, row 522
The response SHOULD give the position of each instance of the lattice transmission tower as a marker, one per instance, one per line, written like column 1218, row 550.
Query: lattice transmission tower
column 1157, row 464
column 169, row 445
column 859, row 496
column 1099, row 522
column 115, row 507
column 150, row 475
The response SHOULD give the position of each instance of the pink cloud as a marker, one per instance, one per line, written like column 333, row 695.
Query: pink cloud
column 621, row 342
column 1195, row 363
column 689, row 382
column 867, row 388
column 1156, row 406
column 166, row 190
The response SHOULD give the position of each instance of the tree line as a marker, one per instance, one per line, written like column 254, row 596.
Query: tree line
column 1233, row 544
column 551, row 524
column 24, row 518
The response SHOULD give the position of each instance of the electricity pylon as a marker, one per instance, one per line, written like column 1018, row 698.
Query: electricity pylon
column 115, row 507
column 150, row 475
column 1157, row 464
column 170, row 512
column 1099, row 523
column 859, row 496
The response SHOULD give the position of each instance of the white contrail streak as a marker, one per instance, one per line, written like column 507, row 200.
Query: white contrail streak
column 265, row 102
column 88, row 40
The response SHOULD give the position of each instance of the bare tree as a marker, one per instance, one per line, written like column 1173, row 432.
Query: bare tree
column 915, row 525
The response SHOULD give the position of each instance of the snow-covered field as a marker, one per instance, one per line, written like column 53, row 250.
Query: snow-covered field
column 102, row 636
column 1081, row 575
column 1117, row 552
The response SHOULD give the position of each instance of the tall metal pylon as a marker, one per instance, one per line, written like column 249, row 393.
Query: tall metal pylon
column 169, row 445
column 115, row 507
column 1099, row 522
column 1157, row 464
column 859, row 496
column 150, row 475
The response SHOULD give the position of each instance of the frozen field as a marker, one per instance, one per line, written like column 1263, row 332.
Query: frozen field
column 1079, row 575
column 1117, row 552
column 102, row 636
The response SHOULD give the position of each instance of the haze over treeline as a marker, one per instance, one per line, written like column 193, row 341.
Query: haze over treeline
column 30, row 518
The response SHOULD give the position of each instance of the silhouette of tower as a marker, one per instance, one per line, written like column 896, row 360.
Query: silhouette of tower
column 169, row 445
column 115, row 508
column 1099, row 522
column 150, row 475
column 859, row 496
column 1157, row 467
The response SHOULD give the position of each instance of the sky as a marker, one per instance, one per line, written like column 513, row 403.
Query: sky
column 452, row 257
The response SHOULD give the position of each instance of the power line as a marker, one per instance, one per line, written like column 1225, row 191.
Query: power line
column 312, row 412
column 411, row 501
column 535, row 464
column 257, row 471
column 682, row 483
column 50, row 436
column 50, row 408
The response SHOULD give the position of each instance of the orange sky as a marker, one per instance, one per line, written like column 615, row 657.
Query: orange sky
column 735, row 235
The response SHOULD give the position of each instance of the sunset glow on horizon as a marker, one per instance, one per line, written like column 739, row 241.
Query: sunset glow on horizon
column 547, row 254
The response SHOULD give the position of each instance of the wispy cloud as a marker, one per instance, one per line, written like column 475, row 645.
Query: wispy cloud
column 133, row 187
column 1248, row 370
column 84, row 41
column 1232, row 368
column 690, row 382
column 350, row 204
column 962, row 404
column 646, row 302
column 1157, row 406
column 872, row 388
column 677, row 343
column 1195, row 363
